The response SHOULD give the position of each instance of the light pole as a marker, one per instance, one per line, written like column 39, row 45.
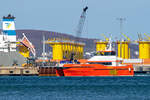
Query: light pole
column 121, row 23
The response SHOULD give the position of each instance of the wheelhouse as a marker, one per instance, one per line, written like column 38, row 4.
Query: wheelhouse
column 106, row 53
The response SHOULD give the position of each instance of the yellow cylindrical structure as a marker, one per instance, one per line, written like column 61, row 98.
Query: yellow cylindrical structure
column 24, row 51
column 57, row 51
column 129, row 53
column 123, row 49
column 71, row 48
column 63, row 50
column 119, row 50
column 101, row 45
column 126, row 50
column 68, row 51
column 144, row 49
column 75, row 48
column 82, row 51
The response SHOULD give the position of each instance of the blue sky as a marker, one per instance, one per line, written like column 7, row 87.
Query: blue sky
column 63, row 16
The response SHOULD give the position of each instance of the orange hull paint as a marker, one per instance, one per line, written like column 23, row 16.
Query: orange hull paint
column 94, row 70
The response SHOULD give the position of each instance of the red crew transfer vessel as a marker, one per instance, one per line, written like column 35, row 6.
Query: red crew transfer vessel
column 104, row 63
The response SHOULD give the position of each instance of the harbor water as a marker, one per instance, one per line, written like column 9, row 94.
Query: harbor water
column 74, row 88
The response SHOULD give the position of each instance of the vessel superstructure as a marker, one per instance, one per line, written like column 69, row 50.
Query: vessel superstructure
column 8, row 43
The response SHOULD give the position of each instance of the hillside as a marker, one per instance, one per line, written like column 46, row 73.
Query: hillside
column 35, row 36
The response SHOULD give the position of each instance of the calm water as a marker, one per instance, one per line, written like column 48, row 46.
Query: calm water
column 74, row 88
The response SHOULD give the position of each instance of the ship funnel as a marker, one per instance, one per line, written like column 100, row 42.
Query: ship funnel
column 8, row 36
column 8, row 26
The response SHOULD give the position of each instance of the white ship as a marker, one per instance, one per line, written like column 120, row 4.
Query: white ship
column 8, row 48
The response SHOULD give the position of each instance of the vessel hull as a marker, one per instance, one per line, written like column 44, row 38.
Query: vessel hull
column 94, row 70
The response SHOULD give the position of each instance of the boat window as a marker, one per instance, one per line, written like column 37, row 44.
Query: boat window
column 105, row 53
column 110, row 53
column 99, row 53
column 113, row 53
column 102, row 63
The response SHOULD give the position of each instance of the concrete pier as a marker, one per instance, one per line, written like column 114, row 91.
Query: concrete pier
column 18, row 71
column 141, row 68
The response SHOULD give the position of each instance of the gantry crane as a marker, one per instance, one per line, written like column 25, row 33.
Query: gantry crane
column 81, row 22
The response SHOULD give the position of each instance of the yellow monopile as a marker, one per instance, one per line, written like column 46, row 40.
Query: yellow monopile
column 144, row 49
column 101, row 45
column 123, row 49
column 63, row 50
